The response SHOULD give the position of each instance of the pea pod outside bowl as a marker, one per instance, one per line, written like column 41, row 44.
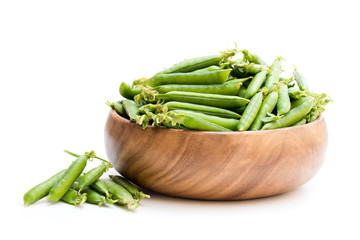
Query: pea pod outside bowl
column 216, row 165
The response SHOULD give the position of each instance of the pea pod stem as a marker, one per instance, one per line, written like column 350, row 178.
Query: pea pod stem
column 77, row 155
column 72, row 197
column 251, row 57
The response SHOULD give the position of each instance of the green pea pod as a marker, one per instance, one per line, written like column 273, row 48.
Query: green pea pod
column 199, row 62
column 274, row 73
column 121, row 194
column 127, row 91
column 192, row 121
column 292, row 117
column 284, row 103
column 300, row 101
column 200, row 78
column 214, row 111
column 229, row 123
column 69, row 177
column 93, row 196
column 251, row 57
column 246, row 69
column 301, row 81
column 215, row 100
column 129, row 186
column 131, row 109
column 295, row 93
column 72, row 197
column 242, row 91
column 41, row 190
column 240, row 110
column 118, row 107
column 267, row 106
column 250, row 112
column 255, row 84
column 91, row 176
column 100, row 187
column 301, row 122
column 208, row 69
column 228, row 88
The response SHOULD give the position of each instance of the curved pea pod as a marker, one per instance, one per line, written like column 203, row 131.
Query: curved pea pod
column 267, row 106
column 100, row 187
column 300, row 101
column 41, row 190
column 246, row 69
column 251, row 57
column 301, row 122
column 199, row 78
column 128, row 91
column 69, row 177
column 295, row 93
column 129, row 186
column 121, row 194
column 250, row 112
column 118, row 107
column 192, row 121
column 255, row 84
column 274, row 73
column 228, row 123
column 228, row 88
column 131, row 109
column 215, row 100
column 242, row 91
column 199, row 62
column 240, row 110
column 93, row 196
column 292, row 117
column 214, row 111
column 208, row 69
column 301, row 81
column 72, row 197
column 91, row 176
column 284, row 103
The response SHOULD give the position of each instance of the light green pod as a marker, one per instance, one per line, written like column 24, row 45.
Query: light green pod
column 41, row 190
column 267, row 106
column 284, row 103
column 229, row 123
column 274, row 73
column 250, row 112
column 255, row 84
column 292, row 117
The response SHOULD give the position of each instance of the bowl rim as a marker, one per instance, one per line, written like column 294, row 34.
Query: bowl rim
column 319, row 120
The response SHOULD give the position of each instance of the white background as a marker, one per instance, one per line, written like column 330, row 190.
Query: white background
column 61, row 60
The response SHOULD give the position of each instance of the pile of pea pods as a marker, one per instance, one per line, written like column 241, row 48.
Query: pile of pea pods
column 73, row 186
column 216, row 93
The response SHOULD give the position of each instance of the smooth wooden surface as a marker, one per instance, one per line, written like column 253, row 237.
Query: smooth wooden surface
column 216, row 165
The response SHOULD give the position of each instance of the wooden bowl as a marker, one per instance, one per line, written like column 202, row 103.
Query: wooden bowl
column 215, row 165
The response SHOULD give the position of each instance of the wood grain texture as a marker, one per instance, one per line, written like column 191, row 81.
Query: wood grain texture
column 216, row 165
